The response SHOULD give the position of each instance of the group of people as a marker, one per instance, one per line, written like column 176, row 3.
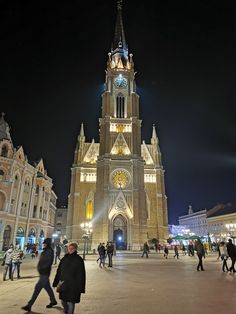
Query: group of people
column 12, row 260
column 104, row 251
column 70, row 276
column 227, row 250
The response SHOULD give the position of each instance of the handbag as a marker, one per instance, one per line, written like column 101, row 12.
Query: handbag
column 59, row 286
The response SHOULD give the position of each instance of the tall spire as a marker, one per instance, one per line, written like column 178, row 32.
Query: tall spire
column 119, row 57
column 154, row 133
column 119, row 38
column 81, row 130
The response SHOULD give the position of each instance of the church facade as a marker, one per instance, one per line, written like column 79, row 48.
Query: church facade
column 118, row 184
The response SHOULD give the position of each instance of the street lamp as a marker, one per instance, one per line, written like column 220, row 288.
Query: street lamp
column 87, row 228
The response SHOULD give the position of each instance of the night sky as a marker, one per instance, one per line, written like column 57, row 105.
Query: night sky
column 53, row 58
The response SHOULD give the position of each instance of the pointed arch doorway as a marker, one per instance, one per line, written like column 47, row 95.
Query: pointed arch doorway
column 120, row 232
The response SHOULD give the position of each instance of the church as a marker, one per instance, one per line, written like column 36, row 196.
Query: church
column 118, row 184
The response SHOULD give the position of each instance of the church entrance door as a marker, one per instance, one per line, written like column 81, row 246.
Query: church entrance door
column 120, row 232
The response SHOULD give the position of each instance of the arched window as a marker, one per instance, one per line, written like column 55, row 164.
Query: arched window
column 2, row 174
column 120, row 106
column 2, row 201
column 89, row 211
column 4, row 152
column 44, row 215
column 35, row 211
column 37, row 189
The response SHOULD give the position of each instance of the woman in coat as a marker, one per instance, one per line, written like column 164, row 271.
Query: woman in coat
column 71, row 278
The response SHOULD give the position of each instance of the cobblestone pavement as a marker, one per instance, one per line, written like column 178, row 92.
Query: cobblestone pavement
column 135, row 285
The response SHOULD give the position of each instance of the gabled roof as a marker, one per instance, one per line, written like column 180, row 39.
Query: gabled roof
column 223, row 209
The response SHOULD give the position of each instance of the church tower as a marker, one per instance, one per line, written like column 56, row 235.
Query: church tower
column 119, row 183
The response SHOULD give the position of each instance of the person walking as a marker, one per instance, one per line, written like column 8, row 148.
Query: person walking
column 44, row 269
column 166, row 252
column 232, row 254
column 102, row 254
column 145, row 250
column 7, row 262
column 224, row 256
column 110, row 250
column 199, row 248
column 184, row 249
column 33, row 251
column 176, row 252
column 57, row 253
column 71, row 277
column 17, row 256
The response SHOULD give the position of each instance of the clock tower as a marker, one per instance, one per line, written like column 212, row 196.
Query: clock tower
column 118, row 184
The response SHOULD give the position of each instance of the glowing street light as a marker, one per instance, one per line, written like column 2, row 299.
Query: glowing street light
column 87, row 228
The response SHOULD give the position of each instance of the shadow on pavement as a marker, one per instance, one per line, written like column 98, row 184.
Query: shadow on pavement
column 34, row 312
column 28, row 277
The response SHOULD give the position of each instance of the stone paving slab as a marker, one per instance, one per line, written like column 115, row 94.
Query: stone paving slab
column 135, row 285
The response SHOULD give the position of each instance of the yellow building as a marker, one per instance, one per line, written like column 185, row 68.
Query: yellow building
column 27, row 201
column 118, row 184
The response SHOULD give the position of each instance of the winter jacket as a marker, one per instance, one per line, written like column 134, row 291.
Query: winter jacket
column 71, row 271
column 200, row 248
column 8, row 256
column 45, row 261
column 17, row 256
column 231, row 250
column 110, row 248
column 223, row 250
column 102, row 250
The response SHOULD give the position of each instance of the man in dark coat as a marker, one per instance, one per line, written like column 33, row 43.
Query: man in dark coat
column 44, row 269
column 232, row 254
column 110, row 250
column 71, row 276
column 200, row 254
column 145, row 250
column 57, row 253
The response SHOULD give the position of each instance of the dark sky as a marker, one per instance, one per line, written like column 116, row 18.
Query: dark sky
column 53, row 57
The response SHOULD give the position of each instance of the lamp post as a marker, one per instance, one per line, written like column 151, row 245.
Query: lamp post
column 87, row 228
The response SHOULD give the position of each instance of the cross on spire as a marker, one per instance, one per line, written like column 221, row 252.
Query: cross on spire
column 119, row 4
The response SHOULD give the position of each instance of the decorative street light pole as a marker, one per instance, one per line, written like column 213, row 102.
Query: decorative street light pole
column 87, row 228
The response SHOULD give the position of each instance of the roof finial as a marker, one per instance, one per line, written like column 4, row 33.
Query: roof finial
column 2, row 115
column 82, row 130
column 154, row 133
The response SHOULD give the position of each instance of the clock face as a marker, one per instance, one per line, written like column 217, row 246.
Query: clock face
column 120, row 82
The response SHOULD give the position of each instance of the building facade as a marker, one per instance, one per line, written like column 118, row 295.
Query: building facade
column 61, row 222
column 222, row 223
column 196, row 222
column 118, row 184
column 27, row 201
column 219, row 222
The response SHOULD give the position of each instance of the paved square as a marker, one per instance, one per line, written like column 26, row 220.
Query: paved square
column 135, row 285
